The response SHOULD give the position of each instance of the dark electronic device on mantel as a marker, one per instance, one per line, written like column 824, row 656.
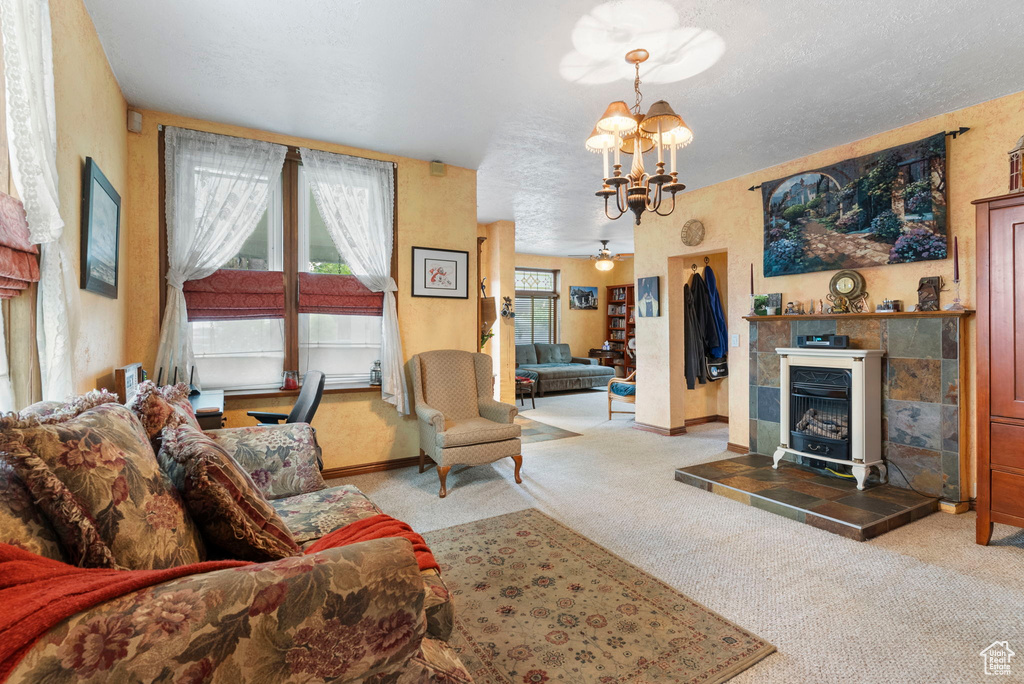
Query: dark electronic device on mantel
column 192, row 389
column 823, row 341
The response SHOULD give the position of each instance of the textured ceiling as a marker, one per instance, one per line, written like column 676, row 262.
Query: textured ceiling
column 499, row 86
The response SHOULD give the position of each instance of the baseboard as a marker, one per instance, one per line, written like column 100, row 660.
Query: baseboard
column 690, row 422
column 737, row 448
column 664, row 432
column 363, row 468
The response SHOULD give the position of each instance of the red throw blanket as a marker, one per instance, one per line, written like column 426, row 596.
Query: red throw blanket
column 377, row 527
column 37, row 593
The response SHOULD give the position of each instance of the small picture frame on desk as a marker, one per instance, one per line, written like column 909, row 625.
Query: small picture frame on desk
column 127, row 380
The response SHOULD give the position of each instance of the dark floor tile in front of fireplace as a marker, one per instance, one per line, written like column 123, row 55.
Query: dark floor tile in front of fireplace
column 804, row 495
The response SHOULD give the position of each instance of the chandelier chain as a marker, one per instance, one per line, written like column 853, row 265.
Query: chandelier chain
column 636, row 88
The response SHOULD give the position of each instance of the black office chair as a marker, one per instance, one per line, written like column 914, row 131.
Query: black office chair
column 305, row 406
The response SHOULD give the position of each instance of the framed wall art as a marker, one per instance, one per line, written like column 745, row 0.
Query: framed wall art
column 581, row 297
column 648, row 297
column 101, row 227
column 440, row 273
column 888, row 207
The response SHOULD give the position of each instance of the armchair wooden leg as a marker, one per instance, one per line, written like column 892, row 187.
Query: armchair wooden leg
column 442, row 474
column 519, row 464
column 423, row 459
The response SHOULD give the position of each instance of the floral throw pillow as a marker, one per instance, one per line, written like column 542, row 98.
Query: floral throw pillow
column 223, row 499
column 22, row 522
column 160, row 407
column 104, row 459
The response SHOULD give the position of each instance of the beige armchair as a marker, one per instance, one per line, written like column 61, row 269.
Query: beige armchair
column 460, row 423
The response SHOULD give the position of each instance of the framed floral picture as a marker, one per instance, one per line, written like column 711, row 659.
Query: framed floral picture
column 440, row 273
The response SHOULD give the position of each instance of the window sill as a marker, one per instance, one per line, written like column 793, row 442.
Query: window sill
column 271, row 393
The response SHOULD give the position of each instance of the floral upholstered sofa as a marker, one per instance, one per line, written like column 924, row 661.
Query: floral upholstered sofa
column 358, row 613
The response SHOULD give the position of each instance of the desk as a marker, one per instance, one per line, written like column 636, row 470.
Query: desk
column 207, row 398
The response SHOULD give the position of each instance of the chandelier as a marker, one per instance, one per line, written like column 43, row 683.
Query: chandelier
column 623, row 130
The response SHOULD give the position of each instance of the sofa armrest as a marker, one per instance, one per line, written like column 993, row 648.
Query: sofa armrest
column 346, row 614
column 497, row 411
column 587, row 361
column 264, row 417
column 283, row 460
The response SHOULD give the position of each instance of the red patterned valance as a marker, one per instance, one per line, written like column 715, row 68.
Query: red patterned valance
column 19, row 265
column 337, row 294
column 231, row 294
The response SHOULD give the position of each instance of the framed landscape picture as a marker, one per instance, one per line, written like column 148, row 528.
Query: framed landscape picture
column 101, row 227
column 440, row 273
column 888, row 207
column 582, row 297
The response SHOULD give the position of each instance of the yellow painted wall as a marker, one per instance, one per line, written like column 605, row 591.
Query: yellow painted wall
column 432, row 211
column 977, row 168
column 498, row 264
column 91, row 122
column 582, row 330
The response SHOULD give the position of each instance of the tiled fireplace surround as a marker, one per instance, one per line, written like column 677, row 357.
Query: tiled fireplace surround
column 921, row 373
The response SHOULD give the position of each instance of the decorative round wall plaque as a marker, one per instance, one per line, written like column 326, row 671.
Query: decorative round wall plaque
column 692, row 233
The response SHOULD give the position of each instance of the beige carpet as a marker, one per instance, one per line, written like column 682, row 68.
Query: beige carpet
column 540, row 603
column 915, row 605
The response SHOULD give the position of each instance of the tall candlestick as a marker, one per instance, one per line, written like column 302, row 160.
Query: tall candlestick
column 956, row 260
column 605, row 153
column 661, row 147
column 751, row 280
column 617, row 142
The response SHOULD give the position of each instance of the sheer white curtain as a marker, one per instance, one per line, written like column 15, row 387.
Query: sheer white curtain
column 32, row 138
column 356, row 198
column 217, row 188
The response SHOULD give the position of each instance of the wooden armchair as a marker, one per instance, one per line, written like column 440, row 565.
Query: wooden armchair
column 624, row 390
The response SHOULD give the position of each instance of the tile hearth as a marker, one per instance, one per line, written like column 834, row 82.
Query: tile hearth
column 804, row 495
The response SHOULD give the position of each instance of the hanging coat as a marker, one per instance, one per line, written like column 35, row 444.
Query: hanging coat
column 693, row 354
column 719, row 348
column 707, row 332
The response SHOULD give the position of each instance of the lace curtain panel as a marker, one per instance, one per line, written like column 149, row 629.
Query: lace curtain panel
column 217, row 188
column 32, row 139
column 356, row 199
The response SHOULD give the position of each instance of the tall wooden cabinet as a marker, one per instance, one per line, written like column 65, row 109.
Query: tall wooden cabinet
column 1000, row 378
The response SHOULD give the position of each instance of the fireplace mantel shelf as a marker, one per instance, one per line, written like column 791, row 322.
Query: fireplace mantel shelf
column 872, row 314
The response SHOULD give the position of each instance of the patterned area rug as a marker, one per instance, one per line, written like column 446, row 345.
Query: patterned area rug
column 536, row 431
column 536, row 602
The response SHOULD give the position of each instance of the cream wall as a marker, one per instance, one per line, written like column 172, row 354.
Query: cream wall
column 582, row 330
column 91, row 122
column 498, row 265
column 977, row 168
column 432, row 211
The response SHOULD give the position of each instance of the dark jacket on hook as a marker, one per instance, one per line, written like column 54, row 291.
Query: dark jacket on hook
column 693, row 367
column 719, row 348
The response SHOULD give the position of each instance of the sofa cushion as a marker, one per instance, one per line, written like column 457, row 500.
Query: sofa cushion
column 311, row 516
column 553, row 353
column 22, row 523
column 526, row 353
column 475, row 431
column 104, row 458
column 570, row 370
column 283, row 460
column 224, row 501
column 159, row 407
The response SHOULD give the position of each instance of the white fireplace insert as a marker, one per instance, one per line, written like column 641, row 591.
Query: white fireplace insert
column 830, row 408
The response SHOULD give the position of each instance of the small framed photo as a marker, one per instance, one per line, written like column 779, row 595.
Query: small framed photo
column 101, row 227
column 440, row 273
column 648, row 291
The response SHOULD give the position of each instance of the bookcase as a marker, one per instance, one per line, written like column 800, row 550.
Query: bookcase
column 621, row 325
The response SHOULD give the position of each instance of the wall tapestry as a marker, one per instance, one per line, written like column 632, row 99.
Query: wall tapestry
column 883, row 208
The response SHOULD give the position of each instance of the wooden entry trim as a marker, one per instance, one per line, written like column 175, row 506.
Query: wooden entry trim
column 680, row 430
column 690, row 422
column 737, row 448
column 363, row 468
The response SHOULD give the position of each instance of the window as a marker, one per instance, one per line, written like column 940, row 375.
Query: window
column 536, row 306
column 324, row 319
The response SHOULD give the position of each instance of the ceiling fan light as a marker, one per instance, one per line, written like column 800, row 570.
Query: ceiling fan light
column 617, row 117
column 599, row 140
column 660, row 113
column 604, row 264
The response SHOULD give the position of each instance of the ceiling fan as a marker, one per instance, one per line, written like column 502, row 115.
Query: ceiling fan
column 603, row 260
